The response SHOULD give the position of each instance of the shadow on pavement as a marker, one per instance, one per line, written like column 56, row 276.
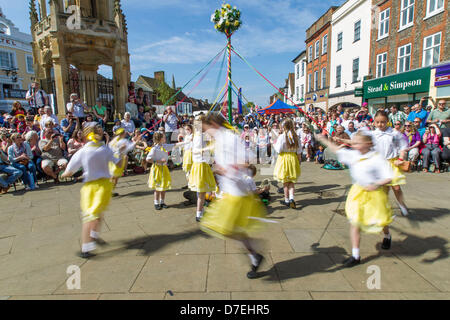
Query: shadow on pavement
column 318, row 189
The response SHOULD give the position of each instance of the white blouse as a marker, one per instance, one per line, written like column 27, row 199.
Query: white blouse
column 160, row 152
column 281, row 146
column 187, row 143
column 388, row 143
column 199, row 144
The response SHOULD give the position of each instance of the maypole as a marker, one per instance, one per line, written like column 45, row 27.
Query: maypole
column 227, row 20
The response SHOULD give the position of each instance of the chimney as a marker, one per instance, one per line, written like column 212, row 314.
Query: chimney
column 159, row 75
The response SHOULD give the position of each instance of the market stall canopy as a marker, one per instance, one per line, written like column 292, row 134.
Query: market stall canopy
column 278, row 107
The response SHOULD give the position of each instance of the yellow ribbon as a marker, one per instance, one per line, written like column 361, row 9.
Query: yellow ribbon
column 91, row 137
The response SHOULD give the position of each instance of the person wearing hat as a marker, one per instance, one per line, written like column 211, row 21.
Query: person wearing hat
column 96, row 192
column 36, row 97
column 100, row 112
column 118, row 143
column 77, row 107
column 363, row 114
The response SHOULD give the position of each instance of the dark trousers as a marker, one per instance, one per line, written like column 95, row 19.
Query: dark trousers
column 431, row 151
column 28, row 173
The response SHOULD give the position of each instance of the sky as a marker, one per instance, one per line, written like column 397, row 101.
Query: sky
column 177, row 36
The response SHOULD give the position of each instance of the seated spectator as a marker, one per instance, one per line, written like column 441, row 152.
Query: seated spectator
column 414, row 141
column 5, row 141
column 100, row 113
column 48, row 115
column 38, row 117
column 89, row 118
column 75, row 143
column 17, row 109
column 398, row 126
column 142, row 100
column 20, row 124
column 32, row 139
column 307, row 143
column 440, row 116
column 420, row 113
column 446, row 145
column 30, row 126
column 77, row 107
column 117, row 125
column 351, row 129
column 12, row 173
column 319, row 157
column 431, row 139
column 20, row 157
column 340, row 135
column 345, row 120
column 69, row 125
column 52, row 146
column 9, row 123
column 418, row 124
column 128, row 124
column 141, row 114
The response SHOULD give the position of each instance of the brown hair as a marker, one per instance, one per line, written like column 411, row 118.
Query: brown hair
column 157, row 137
column 381, row 113
column 190, row 127
column 363, row 136
column 288, row 127
column 252, row 169
column 214, row 118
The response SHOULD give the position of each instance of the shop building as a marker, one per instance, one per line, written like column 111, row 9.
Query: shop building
column 300, row 79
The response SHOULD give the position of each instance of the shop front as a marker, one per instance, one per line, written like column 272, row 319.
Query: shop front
column 440, row 76
column 403, row 89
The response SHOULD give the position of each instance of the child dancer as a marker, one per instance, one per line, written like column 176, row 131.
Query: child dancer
column 187, row 147
column 201, row 178
column 367, row 206
column 287, row 169
column 238, row 211
column 159, row 178
column 94, row 158
column 120, row 141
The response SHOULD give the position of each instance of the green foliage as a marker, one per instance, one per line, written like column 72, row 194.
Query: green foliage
column 164, row 93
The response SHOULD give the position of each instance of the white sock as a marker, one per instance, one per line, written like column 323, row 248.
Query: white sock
column 156, row 202
column 161, row 201
column 403, row 209
column 286, row 200
column 355, row 253
column 253, row 259
column 291, row 194
column 94, row 234
column 387, row 236
column 199, row 214
column 90, row 246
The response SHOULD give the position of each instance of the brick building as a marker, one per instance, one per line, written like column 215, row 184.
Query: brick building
column 318, row 46
column 406, row 35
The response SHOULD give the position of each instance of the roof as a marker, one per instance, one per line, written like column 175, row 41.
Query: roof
column 292, row 82
column 278, row 106
column 301, row 54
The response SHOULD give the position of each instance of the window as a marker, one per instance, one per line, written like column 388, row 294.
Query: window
column 339, row 41
column 324, row 78
column 309, row 82
column 325, row 44
column 298, row 71
column 355, row 70
column 310, row 54
column 317, row 50
column 303, row 69
column 383, row 27
column 302, row 91
column 316, row 80
column 404, row 58
column 7, row 60
column 357, row 31
column 431, row 49
column 407, row 14
column 29, row 61
column 338, row 76
column 296, row 92
column 381, row 64
column 435, row 7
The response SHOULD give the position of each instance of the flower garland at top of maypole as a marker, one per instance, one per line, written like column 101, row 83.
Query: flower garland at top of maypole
column 227, row 19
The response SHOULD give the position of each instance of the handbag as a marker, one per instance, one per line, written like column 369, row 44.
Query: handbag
column 405, row 166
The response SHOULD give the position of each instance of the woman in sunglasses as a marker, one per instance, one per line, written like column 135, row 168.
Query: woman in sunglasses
column 413, row 138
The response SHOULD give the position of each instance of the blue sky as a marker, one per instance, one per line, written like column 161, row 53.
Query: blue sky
column 177, row 36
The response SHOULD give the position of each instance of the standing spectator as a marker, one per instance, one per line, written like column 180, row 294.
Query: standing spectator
column 170, row 124
column 69, row 125
column 12, row 173
column 363, row 114
column 407, row 110
column 440, row 116
column 52, row 146
column 345, row 120
column 431, row 139
column 100, row 112
column 128, row 124
column 413, row 138
column 36, row 97
column 397, row 115
column 351, row 129
column 420, row 113
column 132, row 108
column 307, row 144
column 77, row 107
column 142, row 99
column 20, row 156
column 48, row 116
column 17, row 109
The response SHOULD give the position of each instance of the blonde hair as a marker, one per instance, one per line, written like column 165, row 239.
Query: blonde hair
column 96, row 129
column 366, row 138
column 291, row 136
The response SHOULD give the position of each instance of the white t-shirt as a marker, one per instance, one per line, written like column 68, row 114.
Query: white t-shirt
column 388, row 143
column 365, row 169
column 94, row 160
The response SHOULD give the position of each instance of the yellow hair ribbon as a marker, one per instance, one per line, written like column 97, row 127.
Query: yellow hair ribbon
column 230, row 127
column 91, row 137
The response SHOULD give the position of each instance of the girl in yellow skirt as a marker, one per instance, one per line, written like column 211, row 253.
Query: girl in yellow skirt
column 239, row 211
column 159, row 178
column 391, row 145
column 367, row 206
column 187, row 150
column 201, row 177
column 96, row 193
column 120, row 141
column 287, row 168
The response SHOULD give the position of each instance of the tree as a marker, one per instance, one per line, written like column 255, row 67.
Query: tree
column 164, row 93
column 249, row 105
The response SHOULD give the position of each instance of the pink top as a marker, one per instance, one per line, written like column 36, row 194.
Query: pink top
column 433, row 139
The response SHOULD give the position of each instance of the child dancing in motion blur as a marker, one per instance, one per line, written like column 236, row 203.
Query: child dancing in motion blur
column 96, row 193
column 239, row 211
column 287, row 169
column 367, row 206
column 120, row 141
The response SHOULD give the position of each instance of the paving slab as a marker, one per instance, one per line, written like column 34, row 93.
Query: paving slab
column 356, row 296
column 5, row 245
column 58, row 297
column 198, row 296
column 132, row 296
column 271, row 295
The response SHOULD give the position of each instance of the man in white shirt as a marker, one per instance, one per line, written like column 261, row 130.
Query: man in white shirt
column 36, row 97
column 49, row 116
column 77, row 107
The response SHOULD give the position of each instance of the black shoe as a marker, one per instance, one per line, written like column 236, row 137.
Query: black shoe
column 86, row 255
column 386, row 245
column 292, row 204
column 163, row 206
column 350, row 262
column 197, row 219
column 157, row 207
column 185, row 187
column 101, row 242
column 115, row 194
column 284, row 203
column 281, row 190
column 252, row 274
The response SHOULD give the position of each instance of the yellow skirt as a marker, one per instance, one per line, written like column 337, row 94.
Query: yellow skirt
column 117, row 171
column 159, row 178
column 95, row 197
column 201, row 178
column 187, row 161
column 233, row 216
column 399, row 177
column 368, row 210
column 287, row 168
